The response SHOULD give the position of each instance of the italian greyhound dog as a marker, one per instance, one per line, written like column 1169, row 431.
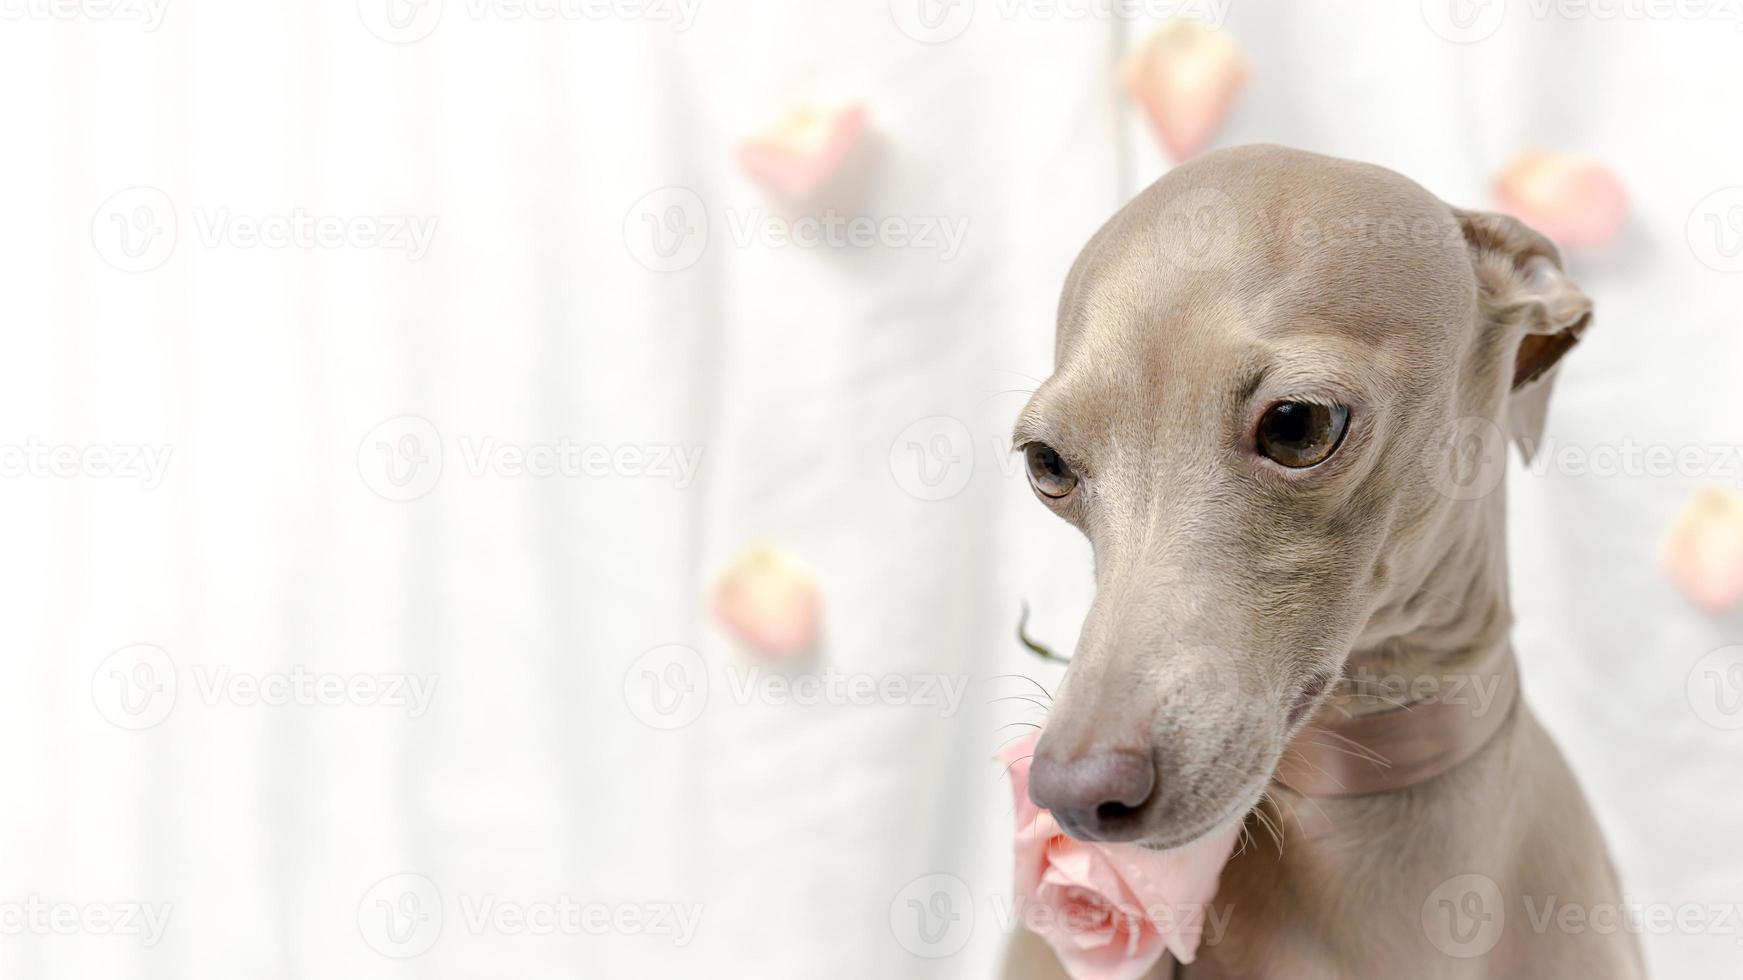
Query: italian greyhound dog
column 1279, row 380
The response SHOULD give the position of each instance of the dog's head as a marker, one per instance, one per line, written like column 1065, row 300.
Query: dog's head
column 1270, row 368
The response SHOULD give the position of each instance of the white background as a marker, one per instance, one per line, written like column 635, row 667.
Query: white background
column 797, row 371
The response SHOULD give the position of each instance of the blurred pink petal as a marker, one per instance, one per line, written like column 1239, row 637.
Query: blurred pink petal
column 1575, row 201
column 1705, row 552
column 802, row 151
column 768, row 600
column 1185, row 77
column 1109, row 911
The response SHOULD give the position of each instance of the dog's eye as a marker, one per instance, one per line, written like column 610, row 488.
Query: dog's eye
column 1048, row 473
column 1301, row 434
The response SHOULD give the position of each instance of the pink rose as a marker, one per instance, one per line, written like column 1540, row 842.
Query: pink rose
column 803, row 150
column 1704, row 554
column 1185, row 77
column 1575, row 201
column 768, row 600
column 1108, row 910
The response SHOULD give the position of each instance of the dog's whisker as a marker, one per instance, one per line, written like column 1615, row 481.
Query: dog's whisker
column 1266, row 799
column 1326, row 817
column 1354, row 749
column 1381, row 698
column 1303, row 760
column 1013, row 763
column 1026, row 376
column 1025, row 677
column 1276, row 834
column 1019, row 697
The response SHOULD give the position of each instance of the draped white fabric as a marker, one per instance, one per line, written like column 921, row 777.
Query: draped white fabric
column 208, row 689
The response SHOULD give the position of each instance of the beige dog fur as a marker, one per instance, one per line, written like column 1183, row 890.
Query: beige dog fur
column 1229, row 589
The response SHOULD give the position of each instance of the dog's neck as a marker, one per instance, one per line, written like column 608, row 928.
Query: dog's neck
column 1433, row 678
column 1441, row 617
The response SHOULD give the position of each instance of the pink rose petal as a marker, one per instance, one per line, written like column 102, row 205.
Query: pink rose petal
column 1575, row 201
column 1704, row 554
column 768, row 600
column 801, row 152
column 1109, row 911
column 1185, row 77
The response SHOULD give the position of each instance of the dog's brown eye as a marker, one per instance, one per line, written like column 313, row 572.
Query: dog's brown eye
column 1048, row 473
column 1301, row 434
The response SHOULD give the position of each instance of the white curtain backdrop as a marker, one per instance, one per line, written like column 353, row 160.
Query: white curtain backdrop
column 169, row 633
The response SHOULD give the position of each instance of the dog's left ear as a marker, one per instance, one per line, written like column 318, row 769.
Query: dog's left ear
column 1525, row 295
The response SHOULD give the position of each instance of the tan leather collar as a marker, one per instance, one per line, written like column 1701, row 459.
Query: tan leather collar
column 1403, row 746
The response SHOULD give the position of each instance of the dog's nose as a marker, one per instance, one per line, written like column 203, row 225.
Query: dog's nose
column 1097, row 795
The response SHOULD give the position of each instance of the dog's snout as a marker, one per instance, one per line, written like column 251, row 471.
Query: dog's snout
column 1097, row 795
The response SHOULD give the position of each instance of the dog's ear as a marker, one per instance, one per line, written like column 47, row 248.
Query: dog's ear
column 1525, row 295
